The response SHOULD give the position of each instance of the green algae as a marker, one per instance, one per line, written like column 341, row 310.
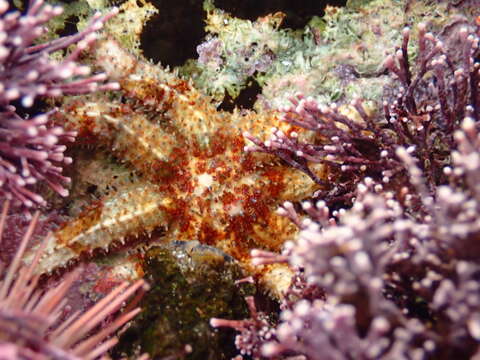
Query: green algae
column 335, row 58
column 190, row 283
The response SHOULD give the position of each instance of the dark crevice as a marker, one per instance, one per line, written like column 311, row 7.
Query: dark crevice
column 298, row 13
column 244, row 100
column 171, row 36
column 70, row 26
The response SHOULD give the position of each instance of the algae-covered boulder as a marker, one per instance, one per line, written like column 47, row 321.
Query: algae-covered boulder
column 190, row 283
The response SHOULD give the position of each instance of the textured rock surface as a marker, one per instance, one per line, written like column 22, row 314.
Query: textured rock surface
column 190, row 284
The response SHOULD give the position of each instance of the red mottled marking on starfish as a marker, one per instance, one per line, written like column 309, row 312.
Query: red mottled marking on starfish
column 196, row 181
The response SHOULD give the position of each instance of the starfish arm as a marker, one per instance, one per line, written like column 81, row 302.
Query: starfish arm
column 191, row 112
column 114, row 220
column 130, row 135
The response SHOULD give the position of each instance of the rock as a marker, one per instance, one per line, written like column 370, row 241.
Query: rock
column 190, row 284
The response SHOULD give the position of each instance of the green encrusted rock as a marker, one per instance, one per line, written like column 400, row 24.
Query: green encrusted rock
column 190, row 283
column 336, row 58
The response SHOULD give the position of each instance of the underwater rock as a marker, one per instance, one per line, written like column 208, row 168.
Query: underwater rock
column 190, row 283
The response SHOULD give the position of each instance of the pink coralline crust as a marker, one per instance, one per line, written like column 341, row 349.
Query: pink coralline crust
column 16, row 225
column 31, row 150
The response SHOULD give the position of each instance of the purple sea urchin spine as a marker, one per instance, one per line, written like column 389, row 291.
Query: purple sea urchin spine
column 31, row 319
column 30, row 149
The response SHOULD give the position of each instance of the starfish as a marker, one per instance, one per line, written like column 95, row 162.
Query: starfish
column 195, row 181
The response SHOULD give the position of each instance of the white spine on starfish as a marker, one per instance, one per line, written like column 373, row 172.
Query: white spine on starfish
column 126, row 214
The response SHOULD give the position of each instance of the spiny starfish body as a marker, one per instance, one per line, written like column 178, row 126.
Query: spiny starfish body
column 197, row 182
